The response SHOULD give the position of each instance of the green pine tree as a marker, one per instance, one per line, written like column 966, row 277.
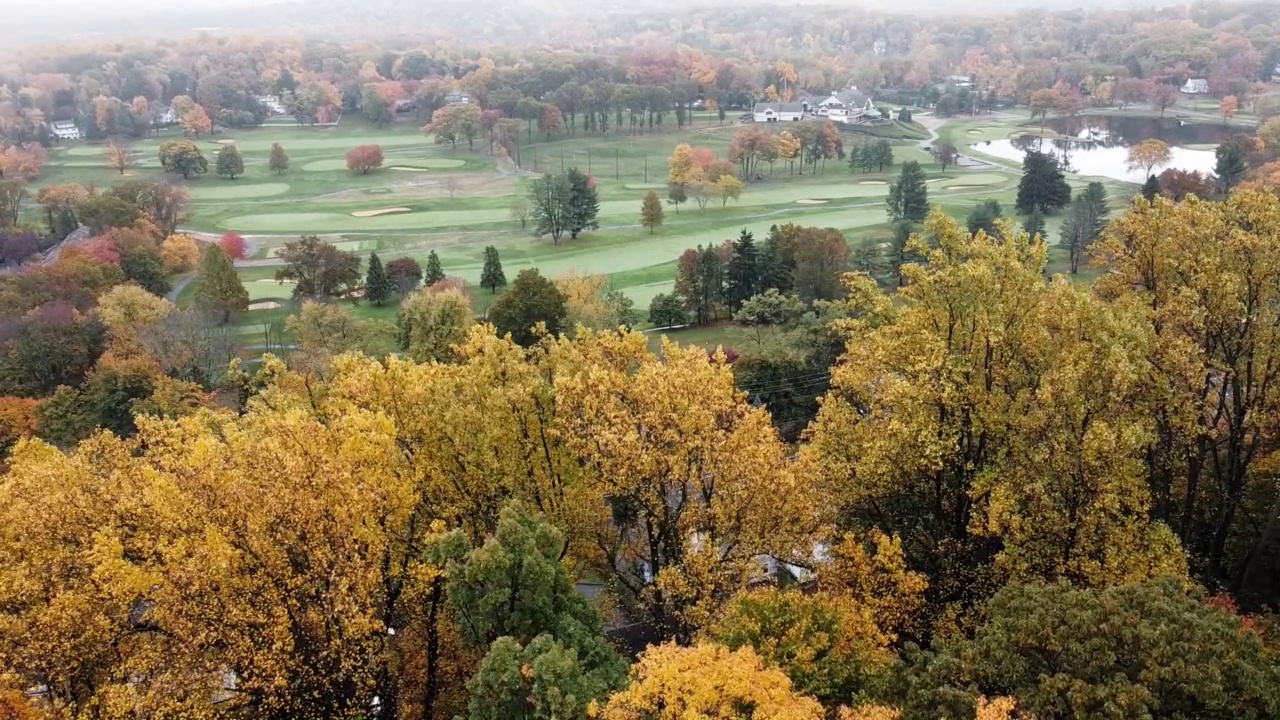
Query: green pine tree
column 1043, row 188
column 491, row 276
column 1151, row 188
column 742, row 274
column 908, row 195
column 377, row 286
column 584, row 203
column 230, row 164
column 218, row 287
column 435, row 273
column 1034, row 225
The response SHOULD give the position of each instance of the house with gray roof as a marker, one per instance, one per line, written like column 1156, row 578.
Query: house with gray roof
column 846, row 106
column 778, row 112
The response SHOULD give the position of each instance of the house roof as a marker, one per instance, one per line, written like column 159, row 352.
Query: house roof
column 778, row 107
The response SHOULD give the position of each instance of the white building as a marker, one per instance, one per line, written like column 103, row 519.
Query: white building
column 457, row 98
column 164, row 116
column 1196, row 86
column 847, row 106
column 65, row 130
column 271, row 103
column 960, row 81
column 778, row 112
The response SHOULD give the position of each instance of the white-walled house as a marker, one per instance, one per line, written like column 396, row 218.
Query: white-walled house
column 1196, row 86
column 778, row 112
column 271, row 103
column 164, row 116
column 847, row 106
column 65, row 130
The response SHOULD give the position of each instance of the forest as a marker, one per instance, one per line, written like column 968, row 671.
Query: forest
column 879, row 447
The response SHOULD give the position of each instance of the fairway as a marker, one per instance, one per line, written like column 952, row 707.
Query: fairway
column 238, row 192
column 395, row 162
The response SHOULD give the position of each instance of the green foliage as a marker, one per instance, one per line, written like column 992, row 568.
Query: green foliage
column 491, row 275
column 49, row 347
column 430, row 323
column 551, row 196
column 667, row 310
column 143, row 265
column 700, row 281
column 771, row 308
column 1043, row 188
column 1085, row 220
column 318, row 269
column 1151, row 188
column 435, row 273
column 542, row 680
column 983, row 217
column 532, row 299
column 229, row 163
column 278, row 162
column 105, row 400
column 584, row 203
column 1033, row 225
column 218, row 287
column 182, row 157
column 374, row 106
column 742, row 273
column 908, row 195
column 651, row 212
column 1146, row 650
column 377, row 286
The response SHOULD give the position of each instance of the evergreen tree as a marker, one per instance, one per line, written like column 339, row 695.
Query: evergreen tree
column 856, row 151
column 1043, row 187
column 1151, row 188
column 435, row 273
column 651, row 212
column 278, row 162
column 218, row 287
column 377, row 286
column 742, row 274
column 883, row 155
column 1034, row 225
column 584, row 203
column 983, row 217
column 773, row 268
column 491, row 276
column 229, row 163
column 1230, row 166
column 908, row 195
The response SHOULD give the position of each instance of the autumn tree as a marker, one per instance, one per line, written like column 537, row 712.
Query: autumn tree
column 452, row 123
column 1163, row 96
column 119, row 157
column 1228, row 108
column 406, row 274
column 318, row 269
column 1043, row 102
column 651, row 212
column 234, row 246
column 550, row 121
column 183, row 157
column 12, row 194
column 323, row 331
column 229, row 164
column 179, row 253
column 531, row 300
column 1148, row 155
column 364, row 158
column 218, row 287
column 195, row 120
column 491, row 275
column 714, row 682
column 700, row 281
column 278, row 160
column 430, row 323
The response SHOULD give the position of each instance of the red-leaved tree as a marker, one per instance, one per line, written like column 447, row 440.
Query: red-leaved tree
column 234, row 246
column 364, row 158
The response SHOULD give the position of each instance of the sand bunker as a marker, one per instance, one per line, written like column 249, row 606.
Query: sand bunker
column 376, row 213
column 873, row 182
column 808, row 201
column 974, row 132
column 228, row 141
column 961, row 187
column 406, row 168
column 645, row 186
column 269, row 305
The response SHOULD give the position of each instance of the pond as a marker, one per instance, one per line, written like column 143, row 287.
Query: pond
column 1098, row 145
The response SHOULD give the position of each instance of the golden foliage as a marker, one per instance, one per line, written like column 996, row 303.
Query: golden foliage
column 869, row 712
column 179, row 253
column 707, row 681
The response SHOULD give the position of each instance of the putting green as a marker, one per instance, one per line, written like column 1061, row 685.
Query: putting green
column 323, row 222
column 341, row 163
column 645, row 186
column 238, row 192
column 976, row 179
column 85, row 150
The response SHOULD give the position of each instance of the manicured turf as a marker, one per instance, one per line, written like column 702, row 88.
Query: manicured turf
column 331, row 164
column 238, row 192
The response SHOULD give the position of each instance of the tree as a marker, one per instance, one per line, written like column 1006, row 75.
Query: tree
column 1229, row 106
column 1033, row 225
column 196, row 121
column 983, row 217
column 229, row 163
column 317, row 269
column 583, row 203
column 551, row 197
column 1163, row 96
column 1230, row 165
column 364, row 158
column 377, row 286
column 1043, row 102
column 1148, row 155
column 908, row 195
column 278, row 160
column 119, row 157
column 742, row 272
column 435, row 273
column 667, row 310
column 182, row 157
column 491, row 276
column 829, row 646
column 549, row 123
column 714, row 682
column 1177, row 184
column 52, row 345
column 651, row 213
column 322, row 331
column 945, row 154
column 531, row 300
column 218, row 287
column 452, row 123
column 1086, row 218
column 677, row 195
column 1151, row 188
column 432, row 322
column 729, row 188
column 819, row 257
column 700, row 281
column 1140, row 650
column 234, row 246
column 405, row 273
column 179, row 253
column 521, row 211
column 12, row 193
column 141, row 263
column 1043, row 188
column 375, row 107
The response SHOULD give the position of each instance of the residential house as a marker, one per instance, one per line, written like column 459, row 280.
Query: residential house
column 778, row 112
column 960, row 81
column 879, row 47
column 457, row 98
column 163, row 116
column 66, row 130
column 1196, row 86
column 272, row 104
column 846, row 106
